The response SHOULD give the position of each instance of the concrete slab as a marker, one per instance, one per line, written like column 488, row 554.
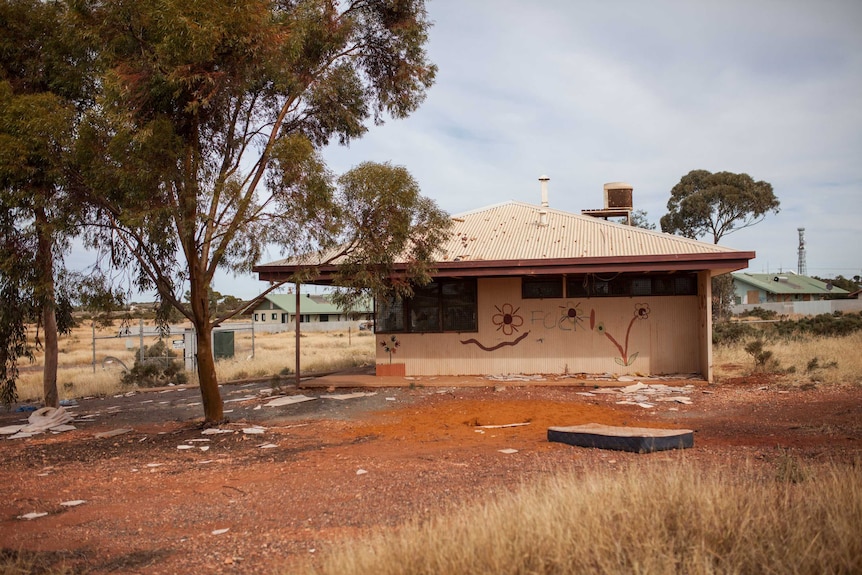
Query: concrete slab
column 635, row 439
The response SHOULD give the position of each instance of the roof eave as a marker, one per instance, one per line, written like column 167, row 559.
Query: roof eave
column 719, row 263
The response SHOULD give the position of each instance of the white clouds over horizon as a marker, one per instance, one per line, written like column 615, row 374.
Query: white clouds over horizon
column 592, row 92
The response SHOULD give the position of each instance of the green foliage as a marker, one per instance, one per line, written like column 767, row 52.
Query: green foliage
column 384, row 218
column 731, row 332
column 705, row 203
column 814, row 365
column 158, row 368
column 45, row 82
column 205, row 144
column 761, row 313
column 639, row 220
column 823, row 325
column 756, row 350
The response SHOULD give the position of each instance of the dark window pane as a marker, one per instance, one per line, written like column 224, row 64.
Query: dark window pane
column 542, row 287
column 425, row 308
column 685, row 285
column 390, row 315
column 577, row 286
column 620, row 286
column 459, row 305
column 641, row 286
column 662, row 286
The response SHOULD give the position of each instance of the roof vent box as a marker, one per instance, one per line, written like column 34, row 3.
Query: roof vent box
column 618, row 195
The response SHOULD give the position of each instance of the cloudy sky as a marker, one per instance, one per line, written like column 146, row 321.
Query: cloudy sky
column 590, row 92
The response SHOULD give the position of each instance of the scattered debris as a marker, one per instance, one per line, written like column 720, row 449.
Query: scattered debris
column 288, row 400
column 245, row 398
column 268, row 446
column 343, row 396
column 215, row 431
column 220, row 531
column 503, row 425
column 515, row 377
column 508, row 451
column 256, row 430
column 112, row 433
column 31, row 516
column 41, row 420
column 73, row 503
column 361, row 472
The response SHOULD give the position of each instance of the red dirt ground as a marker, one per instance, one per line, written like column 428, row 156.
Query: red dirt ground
column 153, row 508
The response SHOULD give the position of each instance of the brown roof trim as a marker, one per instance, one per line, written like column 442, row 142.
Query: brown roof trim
column 719, row 261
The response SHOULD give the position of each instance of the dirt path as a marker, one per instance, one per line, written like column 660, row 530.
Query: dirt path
column 337, row 468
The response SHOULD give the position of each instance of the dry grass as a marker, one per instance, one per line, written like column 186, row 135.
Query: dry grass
column 675, row 518
column 274, row 354
column 838, row 360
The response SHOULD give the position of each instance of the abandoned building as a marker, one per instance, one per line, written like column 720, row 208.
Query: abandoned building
column 527, row 289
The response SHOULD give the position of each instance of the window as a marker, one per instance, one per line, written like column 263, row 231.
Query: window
column 631, row 285
column 324, row 317
column 542, row 287
column 441, row 306
column 274, row 316
column 255, row 317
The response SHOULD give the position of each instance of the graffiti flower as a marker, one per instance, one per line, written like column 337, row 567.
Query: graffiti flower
column 571, row 313
column 391, row 345
column 642, row 310
column 600, row 327
column 507, row 319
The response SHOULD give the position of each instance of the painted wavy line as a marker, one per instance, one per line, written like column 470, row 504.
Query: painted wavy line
column 499, row 345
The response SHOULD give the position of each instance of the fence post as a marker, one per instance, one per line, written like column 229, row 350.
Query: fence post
column 141, row 338
column 94, row 346
column 252, row 337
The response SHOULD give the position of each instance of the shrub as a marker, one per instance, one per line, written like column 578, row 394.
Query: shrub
column 761, row 313
column 158, row 368
column 756, row 350
column 731, row 332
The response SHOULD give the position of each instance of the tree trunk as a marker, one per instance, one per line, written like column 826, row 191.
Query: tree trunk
column 210, row 395
column 47, row 300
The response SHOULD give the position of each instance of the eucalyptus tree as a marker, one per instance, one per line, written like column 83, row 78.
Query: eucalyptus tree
column 45, row 84
column 716, row 204
column 205, row 148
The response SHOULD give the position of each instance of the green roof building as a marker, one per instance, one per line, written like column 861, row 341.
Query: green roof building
column 781, row 287
column 314, row 311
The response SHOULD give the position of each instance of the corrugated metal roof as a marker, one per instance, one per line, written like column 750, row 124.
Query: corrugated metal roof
column 788, row 283
column 512, row 231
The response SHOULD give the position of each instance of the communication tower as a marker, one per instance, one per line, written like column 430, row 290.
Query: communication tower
column 802, row 268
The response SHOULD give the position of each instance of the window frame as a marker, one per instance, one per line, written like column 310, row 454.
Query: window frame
column 529, row 283
column 412, row 316
column 632, row 285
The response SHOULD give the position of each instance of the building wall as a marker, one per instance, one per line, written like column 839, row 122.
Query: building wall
column 647, row 335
